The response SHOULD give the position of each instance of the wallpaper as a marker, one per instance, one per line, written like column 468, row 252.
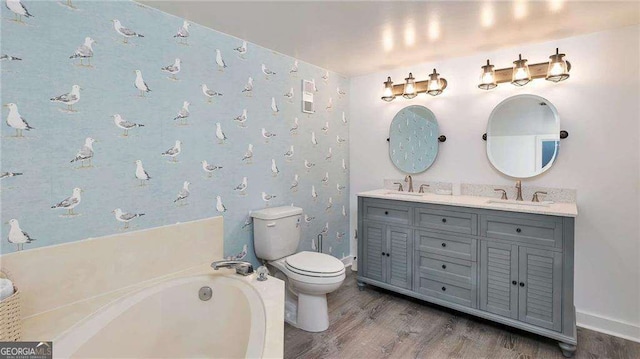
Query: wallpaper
column 118, row 117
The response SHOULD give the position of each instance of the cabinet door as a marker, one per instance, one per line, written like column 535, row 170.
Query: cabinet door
column 498, row 273
column 374, row 241
column 399, row 261
column 540, row 293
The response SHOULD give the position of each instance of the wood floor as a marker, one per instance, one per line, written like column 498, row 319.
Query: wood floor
column 376, row 323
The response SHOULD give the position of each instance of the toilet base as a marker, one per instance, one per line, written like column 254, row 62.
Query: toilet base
column 313, row 313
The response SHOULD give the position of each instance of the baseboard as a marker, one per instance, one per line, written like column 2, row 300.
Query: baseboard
column 609, row 326
column 347, row 261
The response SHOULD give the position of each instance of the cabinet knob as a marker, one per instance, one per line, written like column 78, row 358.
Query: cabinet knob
column 444, row 266
column 444, row 220
column 387, row 254
column 444, row 288
column 386, row 213
column 514, row 282
column 444, row 244
column 518, row 230
column 383, row 253
column 522, row 284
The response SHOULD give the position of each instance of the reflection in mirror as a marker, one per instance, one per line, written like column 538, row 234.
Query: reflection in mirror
column 523, row 136
column 413, row 139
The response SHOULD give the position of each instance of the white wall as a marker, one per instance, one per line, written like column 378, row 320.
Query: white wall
column 598, row 106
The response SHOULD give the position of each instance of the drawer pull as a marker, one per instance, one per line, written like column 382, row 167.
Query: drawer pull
column 382, row 253
column 514, row 282
column 387, row 254
column 444, row 266
column 444, row 244
column 386, row 213
column 444, row 289
column 444, row 220
column 518, row 230
column 522, row 284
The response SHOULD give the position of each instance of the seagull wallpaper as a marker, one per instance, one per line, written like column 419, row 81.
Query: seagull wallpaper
column 118, row 117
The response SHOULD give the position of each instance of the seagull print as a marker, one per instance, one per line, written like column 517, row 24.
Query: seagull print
column 294, row 68
column 308, row 219
column 308, row 165
column 219, row 206
column 340, row 140
column 267, row 72
column 339, row 187
column 219, row 134
column 4, row 175
column 248, row 88
column 70, row 203
column 209, row 93
column 172, row 69
column 325, row 129
column 267, row 135
column 141, row 173
column 241, row 50
column 267, row 198
column 85, row 153
column 242, row 119
column 289, row 95
column 325, row 179
column 274, row 106
column 125, row 32
column 329, row 104
column 18, row 9
column 219, row 61
column 174, row 151
column 209, row 168
column 314, row 141
column 140, row 84
column 69, row 99
column 314, row 194
column 183, row 114
column 289, row 154
column 248, row 155
column 125, row 125
column 242, row 187
column 183, row 194
column 240, row 255
column 5, row 57
column 329, row 205
column 125, row 217
column 344, row 119
column 84, row 51
column 295, row 183
column 274, row 168
column 326, row 76
column 340, row 92
column 17, row 236
column 183, row 33
column 14, row 120
column 294, row 128
column 329, row 155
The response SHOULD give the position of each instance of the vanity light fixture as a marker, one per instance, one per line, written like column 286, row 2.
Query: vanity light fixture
column 520, row 75
column 488, row 77
column 410, row 87
column 556, row 70
column 388, row 95
column 434, row 86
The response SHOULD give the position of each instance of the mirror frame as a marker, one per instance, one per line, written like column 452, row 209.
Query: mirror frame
column 554, row 111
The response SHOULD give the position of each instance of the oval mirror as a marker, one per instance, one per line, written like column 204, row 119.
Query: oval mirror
column 413, row 139
column 523, row 136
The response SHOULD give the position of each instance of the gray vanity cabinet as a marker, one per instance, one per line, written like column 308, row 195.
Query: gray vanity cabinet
column 387, row 249
column 509, row 267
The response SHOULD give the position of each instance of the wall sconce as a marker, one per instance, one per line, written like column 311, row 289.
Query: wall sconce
column 411, row 88
column 556, row 70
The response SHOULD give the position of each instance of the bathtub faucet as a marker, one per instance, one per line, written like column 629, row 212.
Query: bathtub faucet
column 242, row 268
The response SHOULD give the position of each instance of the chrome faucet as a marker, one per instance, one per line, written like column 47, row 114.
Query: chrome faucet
column 408, row 178
column 400, row 189
column 242, row 268
column 519, row 188
column 422, row 186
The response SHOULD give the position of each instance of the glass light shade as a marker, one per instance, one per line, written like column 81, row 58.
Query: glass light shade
column 521, row 75
column 410, row 87
column 488, row 77
column 435, row 85
column 387, row 93
column 558, row 68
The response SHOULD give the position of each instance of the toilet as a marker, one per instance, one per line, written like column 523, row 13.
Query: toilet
column 309, row 276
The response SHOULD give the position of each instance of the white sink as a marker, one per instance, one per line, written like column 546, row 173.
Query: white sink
column 519, row 203
column 398, row 193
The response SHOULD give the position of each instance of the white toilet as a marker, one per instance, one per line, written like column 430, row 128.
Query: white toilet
column 309, row 276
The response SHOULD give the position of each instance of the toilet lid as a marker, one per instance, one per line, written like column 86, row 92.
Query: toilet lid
column 313, row 262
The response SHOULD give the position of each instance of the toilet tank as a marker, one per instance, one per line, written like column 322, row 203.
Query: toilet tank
column 276, row 232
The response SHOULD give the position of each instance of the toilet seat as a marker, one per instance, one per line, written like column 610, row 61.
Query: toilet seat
column 314, row 264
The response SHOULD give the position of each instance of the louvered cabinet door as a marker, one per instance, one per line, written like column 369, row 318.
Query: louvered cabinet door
column 498, row 273
column 540, row 287
column 374, row 241
column 400, row 245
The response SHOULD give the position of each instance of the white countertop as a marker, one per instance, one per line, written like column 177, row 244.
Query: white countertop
column 550, row 209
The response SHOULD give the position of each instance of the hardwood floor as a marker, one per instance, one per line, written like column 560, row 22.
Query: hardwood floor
column 376, row 323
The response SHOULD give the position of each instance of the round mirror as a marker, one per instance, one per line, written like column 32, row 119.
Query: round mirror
column 523, row 136
column 413, row 139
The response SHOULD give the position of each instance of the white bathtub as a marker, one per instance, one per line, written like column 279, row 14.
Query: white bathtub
column 168, row 320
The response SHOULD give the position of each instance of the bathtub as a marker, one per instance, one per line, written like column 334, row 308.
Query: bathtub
column 169, row 320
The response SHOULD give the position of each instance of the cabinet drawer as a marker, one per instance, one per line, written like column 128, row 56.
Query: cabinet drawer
column 446, row 291
column 449, row 270
column 535, row 231
column 386, row 211
column 445, row 220
column 446, row 244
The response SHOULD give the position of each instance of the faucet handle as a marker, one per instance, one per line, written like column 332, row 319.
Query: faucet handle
column 399, row 186
column 535, row 196
column 504, row 193
column 422, row 188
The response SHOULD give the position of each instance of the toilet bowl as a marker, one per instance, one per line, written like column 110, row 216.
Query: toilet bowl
column 309, row 276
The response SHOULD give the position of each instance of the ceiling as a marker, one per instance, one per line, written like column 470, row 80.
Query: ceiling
column 358, row 37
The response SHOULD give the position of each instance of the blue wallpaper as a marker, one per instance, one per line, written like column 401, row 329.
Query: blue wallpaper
column 113, row 126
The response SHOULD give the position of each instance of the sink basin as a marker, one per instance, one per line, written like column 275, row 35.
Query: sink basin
column 398, row 193
column 519, row 203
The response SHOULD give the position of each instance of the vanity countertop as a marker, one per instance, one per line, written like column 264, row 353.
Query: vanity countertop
column 550, row 209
